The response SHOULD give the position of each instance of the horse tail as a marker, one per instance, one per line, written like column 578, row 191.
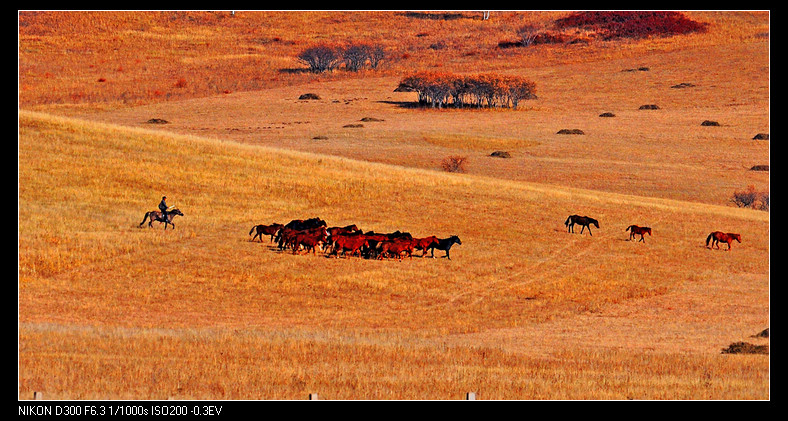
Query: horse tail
column 629, row 227
column 709, row 239
column 147, row 214
column 567, row 220
column 252, row 230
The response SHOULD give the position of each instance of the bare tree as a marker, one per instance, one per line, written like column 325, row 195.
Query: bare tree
column 321, row 58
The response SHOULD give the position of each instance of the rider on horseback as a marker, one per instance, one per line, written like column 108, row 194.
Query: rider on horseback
column 163, row 207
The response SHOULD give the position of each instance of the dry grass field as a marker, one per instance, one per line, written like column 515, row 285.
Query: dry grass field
column 523, row 310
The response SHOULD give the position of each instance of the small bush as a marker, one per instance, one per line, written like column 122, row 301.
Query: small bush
column 751, row 198
column 570, row 131
column 454, row 164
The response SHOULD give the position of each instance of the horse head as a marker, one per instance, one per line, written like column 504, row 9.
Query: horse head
column 595, row 222
column 456, row 239
column 175, row 212
column 735, row 236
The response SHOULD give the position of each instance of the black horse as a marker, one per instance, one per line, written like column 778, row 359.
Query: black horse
column 305, row 224
column 584, row 221
column 157, row 216
column 444, row 244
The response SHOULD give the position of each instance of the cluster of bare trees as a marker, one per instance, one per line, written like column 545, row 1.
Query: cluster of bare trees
column 480, row 90
column 353, row 57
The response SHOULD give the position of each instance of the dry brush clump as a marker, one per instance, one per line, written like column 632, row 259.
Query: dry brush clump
column 751, row 198
column 439, row 89
column 454, row 164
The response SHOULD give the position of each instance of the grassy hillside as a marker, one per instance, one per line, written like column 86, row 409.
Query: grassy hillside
column 84, row 262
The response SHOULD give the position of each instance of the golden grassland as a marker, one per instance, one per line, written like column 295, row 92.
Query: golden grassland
column 523, row 310
column 91, row 266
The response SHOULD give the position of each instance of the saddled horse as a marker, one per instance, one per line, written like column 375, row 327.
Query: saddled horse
column 636, row 230
column 157, row 216
column 584, row 221
column 445, row 245
column 265, row 230
column 718, row 237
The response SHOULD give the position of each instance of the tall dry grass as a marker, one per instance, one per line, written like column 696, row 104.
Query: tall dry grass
column 240, row 365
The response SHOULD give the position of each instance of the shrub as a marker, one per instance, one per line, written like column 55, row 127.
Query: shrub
column 750, row 198
column 454, row 164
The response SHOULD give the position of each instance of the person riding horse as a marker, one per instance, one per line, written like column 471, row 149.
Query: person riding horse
column 163, row 207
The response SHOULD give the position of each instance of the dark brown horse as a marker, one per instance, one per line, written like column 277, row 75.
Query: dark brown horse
column 157, row 216
column 444, row 244
column 636, row 230
column 717, row 237
column 265, row 230
column 584, row 221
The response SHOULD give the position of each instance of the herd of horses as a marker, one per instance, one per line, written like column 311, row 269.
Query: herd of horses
column 308, row 235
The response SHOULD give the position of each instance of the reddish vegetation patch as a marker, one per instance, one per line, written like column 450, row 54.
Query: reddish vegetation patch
column 632, row 24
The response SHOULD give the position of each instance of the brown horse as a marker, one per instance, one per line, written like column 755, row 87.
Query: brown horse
column 636, row 230
column 584, row 221
column 716, row 237
column 157, row 216
column 265, row 230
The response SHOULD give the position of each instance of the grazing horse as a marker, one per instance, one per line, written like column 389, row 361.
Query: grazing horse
column 716, row 237
column 157, row 216
column 636, row 230
column 265, row 230
column 584, row 221
column 444, row 244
